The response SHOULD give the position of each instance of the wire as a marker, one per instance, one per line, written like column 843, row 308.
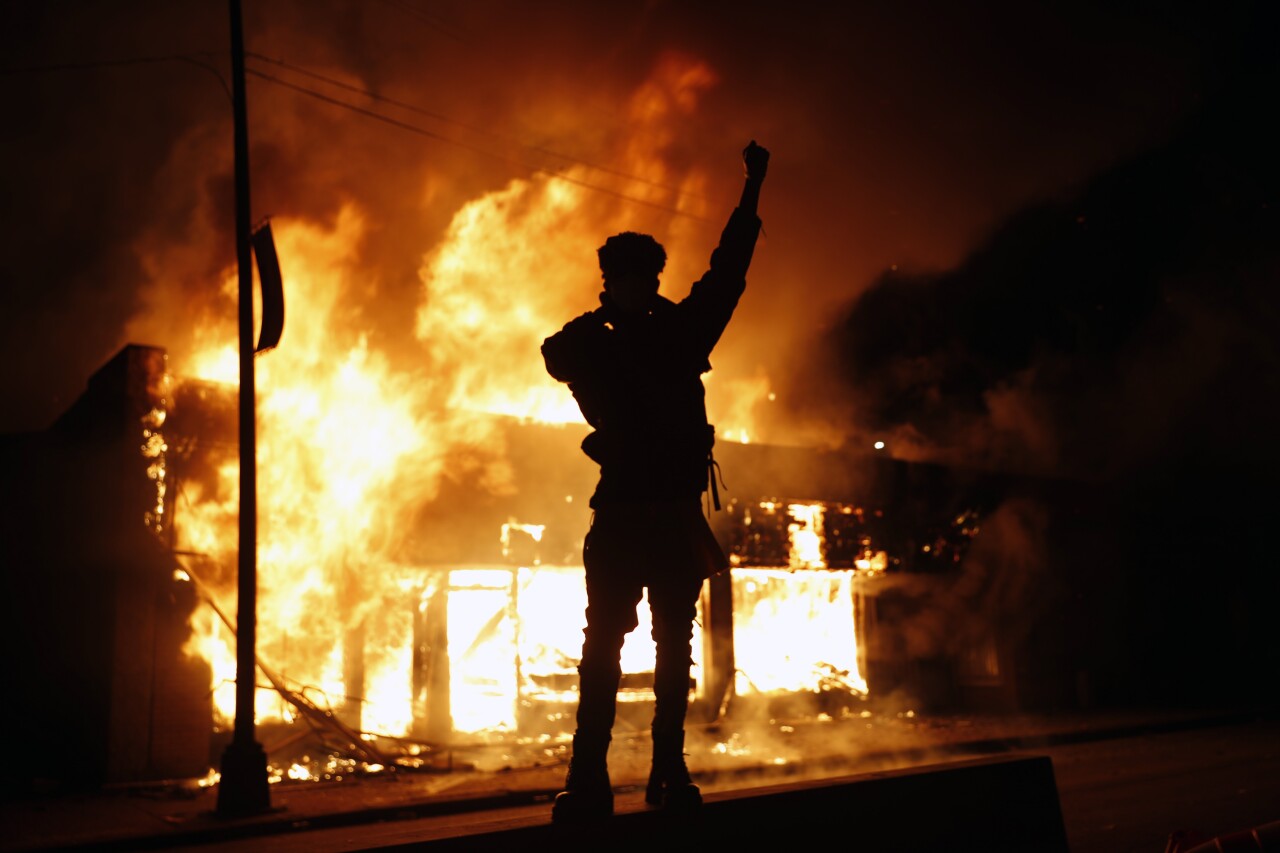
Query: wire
column 373, row 114
column 422, row 131
column 421, row 111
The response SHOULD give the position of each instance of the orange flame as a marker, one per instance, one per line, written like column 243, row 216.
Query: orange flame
column 350, row 444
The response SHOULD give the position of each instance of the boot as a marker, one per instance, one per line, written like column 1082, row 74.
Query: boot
column 587, row 794
column 670, row 786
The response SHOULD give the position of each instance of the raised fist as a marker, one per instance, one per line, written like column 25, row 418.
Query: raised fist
column 756, row 159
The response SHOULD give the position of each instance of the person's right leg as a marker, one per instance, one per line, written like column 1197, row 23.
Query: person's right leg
column 674, row 605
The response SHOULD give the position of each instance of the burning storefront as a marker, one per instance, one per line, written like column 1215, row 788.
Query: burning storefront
column 421, row 509
column 396, row 629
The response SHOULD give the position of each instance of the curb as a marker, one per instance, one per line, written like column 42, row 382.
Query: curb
column 285, row 824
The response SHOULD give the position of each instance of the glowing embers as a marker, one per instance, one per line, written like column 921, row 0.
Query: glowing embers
column 807, row 535
column 153, row 450
column 795, row 631
column 774, row 533
column 513, row 639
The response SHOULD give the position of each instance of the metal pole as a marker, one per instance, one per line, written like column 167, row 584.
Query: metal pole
column 243, row 788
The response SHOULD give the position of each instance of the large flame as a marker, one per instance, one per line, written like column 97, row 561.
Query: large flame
column 795, row 631
column 348, row 449
column 350, row 445
column 520, row 261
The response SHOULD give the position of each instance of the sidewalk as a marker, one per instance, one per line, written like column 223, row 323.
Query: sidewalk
column 768, row 752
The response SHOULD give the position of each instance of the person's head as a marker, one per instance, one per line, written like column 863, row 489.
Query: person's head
column 630, row 264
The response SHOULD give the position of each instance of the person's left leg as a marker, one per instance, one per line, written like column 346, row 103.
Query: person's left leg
column 611, row 615
column 673, row 605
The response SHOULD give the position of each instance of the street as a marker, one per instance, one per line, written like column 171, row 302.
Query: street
column 1118, row 795
column 1129, row 794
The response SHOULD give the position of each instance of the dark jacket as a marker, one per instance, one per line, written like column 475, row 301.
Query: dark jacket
column 638, row 380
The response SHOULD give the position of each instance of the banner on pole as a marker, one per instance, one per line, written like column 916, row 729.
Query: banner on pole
column 264, row 251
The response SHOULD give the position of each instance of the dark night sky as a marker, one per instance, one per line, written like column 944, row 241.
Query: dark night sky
column 904, row 133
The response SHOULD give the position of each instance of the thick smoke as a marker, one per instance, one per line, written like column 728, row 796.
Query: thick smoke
column 1122, row 339
column 1000, row 577
column 892, row 132
column 1122, row 327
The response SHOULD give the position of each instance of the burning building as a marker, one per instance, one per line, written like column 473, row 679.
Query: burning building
column 422, row 499
column 417, row 466
column 395, row 626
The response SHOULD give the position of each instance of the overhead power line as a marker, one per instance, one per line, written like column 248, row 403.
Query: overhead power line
column 422, row 131
column 198, row 59
column 495, row 136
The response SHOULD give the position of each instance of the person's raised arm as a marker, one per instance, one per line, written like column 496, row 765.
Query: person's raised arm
column 756, row 161
column 714, row 297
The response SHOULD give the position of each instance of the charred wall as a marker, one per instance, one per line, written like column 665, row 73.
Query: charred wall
column 99, row 688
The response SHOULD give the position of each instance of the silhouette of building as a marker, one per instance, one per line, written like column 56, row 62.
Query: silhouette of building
column 99, row 687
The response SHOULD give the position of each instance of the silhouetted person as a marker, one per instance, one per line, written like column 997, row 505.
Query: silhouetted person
column 635, row 367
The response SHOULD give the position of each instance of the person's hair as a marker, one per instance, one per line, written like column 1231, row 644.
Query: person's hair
column 630, row 252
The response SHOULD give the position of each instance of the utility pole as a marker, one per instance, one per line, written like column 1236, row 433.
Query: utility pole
column 243, row 789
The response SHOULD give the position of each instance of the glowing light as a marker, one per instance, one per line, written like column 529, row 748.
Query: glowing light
column 346, row 440
column 805, row 534
column 794, row 631
column 493, row 622
column 350, row 448
column 872, row 561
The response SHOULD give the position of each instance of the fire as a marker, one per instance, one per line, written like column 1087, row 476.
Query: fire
column 153, row 450
column 493, row 291
column 738, row 399
column 814, row 611
column 351, row 443
column 809, row 604
column 518, row 262
column 481, row 643
column 511, row 642
column 347, row 446
column 805, row 533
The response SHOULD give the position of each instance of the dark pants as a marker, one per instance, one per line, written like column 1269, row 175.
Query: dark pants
column 660, row 548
